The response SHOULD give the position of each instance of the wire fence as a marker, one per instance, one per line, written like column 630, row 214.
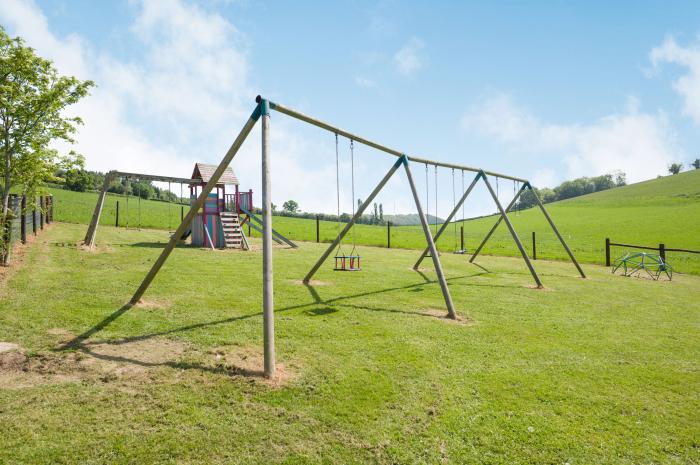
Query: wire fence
column 26, row 217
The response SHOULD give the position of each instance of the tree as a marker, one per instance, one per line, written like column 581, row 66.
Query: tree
column 620, row 178
column 675, row 168
column 381, row 213
column 33, row 100
column 375, row 216
column 696, row 164
column 290, row 206
column 78, row 180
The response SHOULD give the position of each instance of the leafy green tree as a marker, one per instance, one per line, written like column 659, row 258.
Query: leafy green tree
column 696, row 164
column 290, row 206
column 33, row 102
column 620, row 178
column 143, row 189
column 78, row 180
column 675, row 168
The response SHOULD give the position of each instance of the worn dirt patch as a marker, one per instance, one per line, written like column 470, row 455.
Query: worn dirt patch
column 95, row 248
column 313, row 282
column 154, row 304
column 441, row 314
column 128, row 364
column 537, row 288
column 13, row 360
column 249, row 362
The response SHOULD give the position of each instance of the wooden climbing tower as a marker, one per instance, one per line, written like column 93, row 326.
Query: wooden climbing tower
column 218, row 224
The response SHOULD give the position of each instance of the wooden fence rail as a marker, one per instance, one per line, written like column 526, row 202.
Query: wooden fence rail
column 661, row 248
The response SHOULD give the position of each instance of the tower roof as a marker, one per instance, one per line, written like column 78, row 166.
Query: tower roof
column 204, row 172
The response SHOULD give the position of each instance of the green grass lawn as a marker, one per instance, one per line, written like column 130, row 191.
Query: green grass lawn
column 665, row 210
column 602, row 370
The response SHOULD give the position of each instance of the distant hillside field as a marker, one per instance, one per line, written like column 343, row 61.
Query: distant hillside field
column 664, row 210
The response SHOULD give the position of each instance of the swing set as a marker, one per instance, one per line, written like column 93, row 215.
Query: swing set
column 262, row 112
column 128, row 177
column 349, row 261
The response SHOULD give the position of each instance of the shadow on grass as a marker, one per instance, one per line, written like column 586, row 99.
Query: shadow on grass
column 217, row 370
column 78, row 343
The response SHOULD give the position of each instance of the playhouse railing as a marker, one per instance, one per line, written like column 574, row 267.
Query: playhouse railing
column 239, row 202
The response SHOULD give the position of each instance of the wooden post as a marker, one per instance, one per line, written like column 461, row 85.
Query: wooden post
column 182, row 212
column 556, row 231
column 116, row 221
column 534, row 246
column 95, row 221
column 446, row 223
column 352, row 221
column 461, row 238
column 607, row 251
column 388, row 234
column 34, row 215
column 41, row 212
column 431, row 244
column 268, row 302
column 23, row 219
column 195, row 206
column 514, row 234
column 662, row 252
column 318, row 230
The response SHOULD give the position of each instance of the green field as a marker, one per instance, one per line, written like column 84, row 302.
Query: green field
column 602, row 370
column 664, row 210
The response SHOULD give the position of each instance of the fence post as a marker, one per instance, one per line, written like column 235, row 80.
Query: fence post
column 318, row 231
column 34, row 215
column 182, row 213
column 23, row 219
column 41, row 212
column 607, row 251
column 662, row 252
column 388, row 234
column 116, row 220
column 534, row 246
column 461, row 238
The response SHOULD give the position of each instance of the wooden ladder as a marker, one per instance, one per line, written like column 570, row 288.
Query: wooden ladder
column 232, row 230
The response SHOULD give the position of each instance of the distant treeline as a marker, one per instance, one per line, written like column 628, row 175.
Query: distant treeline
column 574, row 188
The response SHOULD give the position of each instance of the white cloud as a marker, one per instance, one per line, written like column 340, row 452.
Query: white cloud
column 640, row 144
column 687, row 85
column 181, row 97
column 411, row 57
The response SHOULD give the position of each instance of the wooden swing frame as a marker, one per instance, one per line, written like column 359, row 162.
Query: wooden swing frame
column 262, row 112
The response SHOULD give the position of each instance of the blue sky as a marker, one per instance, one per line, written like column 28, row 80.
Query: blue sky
column 542, row 90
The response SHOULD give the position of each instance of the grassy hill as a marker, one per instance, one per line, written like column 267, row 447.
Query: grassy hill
column 661, row 210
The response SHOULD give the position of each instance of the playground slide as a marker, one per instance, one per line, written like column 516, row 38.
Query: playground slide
column 277, row 237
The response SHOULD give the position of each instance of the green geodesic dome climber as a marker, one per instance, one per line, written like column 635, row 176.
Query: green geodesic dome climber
column 637, row 263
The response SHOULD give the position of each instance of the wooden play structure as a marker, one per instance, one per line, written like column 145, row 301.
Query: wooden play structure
column 218, row 223
column 403, row 161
